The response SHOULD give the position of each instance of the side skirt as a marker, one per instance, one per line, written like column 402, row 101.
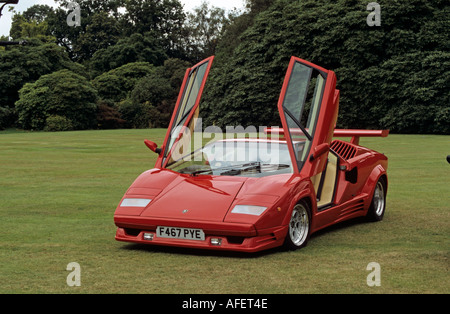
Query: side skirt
column 331, row 215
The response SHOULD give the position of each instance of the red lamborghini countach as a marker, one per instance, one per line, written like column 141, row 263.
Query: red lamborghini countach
column 252, row 194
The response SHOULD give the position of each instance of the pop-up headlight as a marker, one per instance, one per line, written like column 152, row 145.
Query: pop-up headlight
column 135, row 202
column 248, row 209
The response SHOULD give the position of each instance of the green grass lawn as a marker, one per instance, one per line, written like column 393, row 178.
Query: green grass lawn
column 58, row 193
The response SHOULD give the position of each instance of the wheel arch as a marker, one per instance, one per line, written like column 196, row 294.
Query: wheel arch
column 377, row 173
column 307, row 195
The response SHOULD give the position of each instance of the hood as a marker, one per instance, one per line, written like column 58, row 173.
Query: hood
column 203, row 198
column 206, row 198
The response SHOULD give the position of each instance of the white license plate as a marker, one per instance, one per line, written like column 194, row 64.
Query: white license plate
column 180, row 233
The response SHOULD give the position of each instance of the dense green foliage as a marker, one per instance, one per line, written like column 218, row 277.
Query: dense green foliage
column 136, row 48
column 62, row 100
column 415, row 93
column 394, row 76
column 115, row 85
column 24, row 65
column 143, row 95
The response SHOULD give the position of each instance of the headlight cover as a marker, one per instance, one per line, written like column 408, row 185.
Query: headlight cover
column 249, row 210
column 135, row 202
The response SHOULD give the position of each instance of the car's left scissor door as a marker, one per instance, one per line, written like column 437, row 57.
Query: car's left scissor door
column 186, row 111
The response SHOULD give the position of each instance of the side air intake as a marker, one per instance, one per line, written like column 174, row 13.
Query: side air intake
column 345, row 150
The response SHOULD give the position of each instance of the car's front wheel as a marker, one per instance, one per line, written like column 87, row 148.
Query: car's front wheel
column 299, row 227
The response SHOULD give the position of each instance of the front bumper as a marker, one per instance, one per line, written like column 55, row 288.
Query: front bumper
column 233, row 236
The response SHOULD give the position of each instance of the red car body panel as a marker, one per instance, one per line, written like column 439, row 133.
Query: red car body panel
column 206, row 202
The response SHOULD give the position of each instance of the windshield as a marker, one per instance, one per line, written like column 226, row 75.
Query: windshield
column 238, row 158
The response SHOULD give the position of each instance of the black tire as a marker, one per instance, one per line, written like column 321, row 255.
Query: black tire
column 299, row 227
column 378, row 204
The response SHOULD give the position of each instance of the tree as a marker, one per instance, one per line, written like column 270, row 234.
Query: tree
column 163, row 18
column 90, row 7
column 136, row 48
column 35, row 15
column 257, row 6
column 65, row 35
column 73, row 38
column 205, row 26
column 38, row 12
column 155, row 95
column 114, row 88
column 143, row 95
column 7, row 117
column 239, row 22
column 30, row 25
column 417, row 83
column 102, row 32
column 335, row 35
column 108, row 117
column 25, row 64
column 117, row 84
column 61, row 100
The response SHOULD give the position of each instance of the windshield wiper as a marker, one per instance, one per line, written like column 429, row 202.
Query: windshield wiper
column 281, row 166
column 194, row 173
column 230, row 169
column 237, row 169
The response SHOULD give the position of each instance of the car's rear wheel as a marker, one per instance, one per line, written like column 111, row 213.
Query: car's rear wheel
column 299, row 227
column 378, row 205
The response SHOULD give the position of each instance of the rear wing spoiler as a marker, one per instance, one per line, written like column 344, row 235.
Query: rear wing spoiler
column 355, row 134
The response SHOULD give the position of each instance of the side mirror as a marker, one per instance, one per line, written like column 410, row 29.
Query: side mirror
column 152, row 146
column 319, row 150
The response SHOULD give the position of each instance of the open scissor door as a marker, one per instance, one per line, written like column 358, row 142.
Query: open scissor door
column 308, row 110
column 185, row 113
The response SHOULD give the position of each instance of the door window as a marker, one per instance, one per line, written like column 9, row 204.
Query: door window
column 300, row 106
